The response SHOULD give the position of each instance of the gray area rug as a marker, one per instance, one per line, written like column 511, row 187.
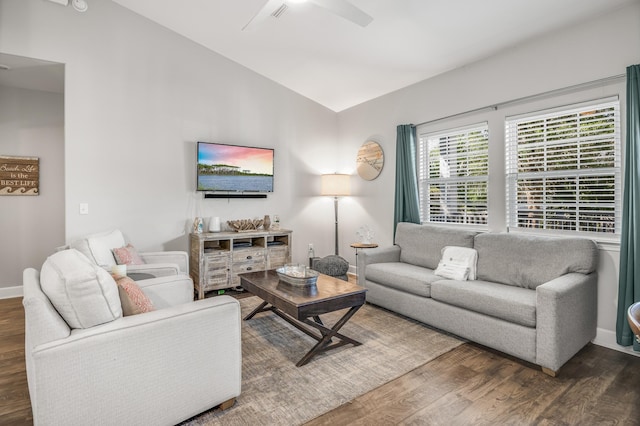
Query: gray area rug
column 276, row 392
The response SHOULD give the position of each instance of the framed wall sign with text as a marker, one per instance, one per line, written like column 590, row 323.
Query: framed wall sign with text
column 19, row 175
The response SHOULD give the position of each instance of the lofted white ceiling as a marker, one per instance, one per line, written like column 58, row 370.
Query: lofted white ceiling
column 339, row 64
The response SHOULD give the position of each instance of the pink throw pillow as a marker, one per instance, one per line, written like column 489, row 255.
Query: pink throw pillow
column 127, row 256
column 132, row 298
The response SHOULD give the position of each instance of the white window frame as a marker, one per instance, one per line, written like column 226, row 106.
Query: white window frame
column 552, row 208
column 464, row 213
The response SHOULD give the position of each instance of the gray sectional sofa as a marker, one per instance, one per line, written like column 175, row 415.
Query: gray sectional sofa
column 533, row 297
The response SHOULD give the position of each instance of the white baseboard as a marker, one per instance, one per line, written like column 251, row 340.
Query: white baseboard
column 607, row 338
column 10, row 292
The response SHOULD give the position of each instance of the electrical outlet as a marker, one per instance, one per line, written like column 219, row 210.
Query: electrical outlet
column 84, row 208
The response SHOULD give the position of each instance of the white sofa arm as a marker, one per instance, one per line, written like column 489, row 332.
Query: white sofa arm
column 156, row 269
column 179, row 258
column 375, row 255
column 380, row 255
column 566, row 317
column 138, row 367
column 168, row 291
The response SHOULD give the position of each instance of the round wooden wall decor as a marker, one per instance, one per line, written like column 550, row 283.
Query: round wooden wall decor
column 370, row 160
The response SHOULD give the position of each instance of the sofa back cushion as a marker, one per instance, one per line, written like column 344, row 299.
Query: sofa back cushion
column 98, row 247
column 422, row 245
column 83, row 293
column 528, row 261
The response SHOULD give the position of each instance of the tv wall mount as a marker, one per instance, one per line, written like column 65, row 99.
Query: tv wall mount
column 234, row 195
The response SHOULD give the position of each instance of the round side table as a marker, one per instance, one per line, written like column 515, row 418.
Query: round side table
column 359, row 246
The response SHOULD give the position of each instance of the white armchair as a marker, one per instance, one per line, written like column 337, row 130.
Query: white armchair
column 98, row 248
column 160, row 367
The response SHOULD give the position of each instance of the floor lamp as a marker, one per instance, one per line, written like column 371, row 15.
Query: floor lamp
column 336, row 185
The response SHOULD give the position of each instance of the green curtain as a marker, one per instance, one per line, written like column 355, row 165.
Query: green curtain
column 407, row 207
column 629, row 281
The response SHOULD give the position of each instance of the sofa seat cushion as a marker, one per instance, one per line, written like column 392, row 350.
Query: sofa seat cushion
column 509, row 303
column 402, row 276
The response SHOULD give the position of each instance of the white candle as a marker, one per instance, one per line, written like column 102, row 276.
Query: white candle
column 119, row 270
column 214, row 224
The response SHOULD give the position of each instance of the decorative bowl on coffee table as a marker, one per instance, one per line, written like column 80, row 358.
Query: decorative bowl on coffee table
column 297, row 275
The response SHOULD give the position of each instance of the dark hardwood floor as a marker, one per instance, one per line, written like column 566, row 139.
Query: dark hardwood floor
column 470, row 385
column 15, row 408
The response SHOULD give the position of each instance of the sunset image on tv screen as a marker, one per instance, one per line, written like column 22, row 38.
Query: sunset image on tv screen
column 234, row 168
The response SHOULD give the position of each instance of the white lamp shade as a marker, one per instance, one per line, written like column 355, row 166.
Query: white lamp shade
column 335, row 185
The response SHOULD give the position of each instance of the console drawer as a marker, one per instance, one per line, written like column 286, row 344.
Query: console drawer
column 249, row 254
column 239, row 268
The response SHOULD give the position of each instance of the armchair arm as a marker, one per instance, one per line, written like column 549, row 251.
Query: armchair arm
column 566, row 310
column 156, row 269
column 180, row 258
column 168, row 291
column 161, row 367
column 375, row 255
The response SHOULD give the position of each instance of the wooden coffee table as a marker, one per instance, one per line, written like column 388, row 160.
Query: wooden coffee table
column 302, row 306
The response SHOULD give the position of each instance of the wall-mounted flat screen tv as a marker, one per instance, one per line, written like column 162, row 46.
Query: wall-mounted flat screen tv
column 234, row 168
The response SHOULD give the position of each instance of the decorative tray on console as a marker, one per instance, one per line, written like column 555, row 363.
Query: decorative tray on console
column 245, row 225
column 297, row 275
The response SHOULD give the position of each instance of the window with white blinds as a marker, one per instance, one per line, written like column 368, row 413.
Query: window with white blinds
column 563, row 169
column 453, row 175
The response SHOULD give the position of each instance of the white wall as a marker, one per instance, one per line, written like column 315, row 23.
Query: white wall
column 138, row 97
column 556, row 61
column 31, row 125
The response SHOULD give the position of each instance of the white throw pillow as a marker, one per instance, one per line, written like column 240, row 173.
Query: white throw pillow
column 83, row 293
column 457, row 263
column 452, row 272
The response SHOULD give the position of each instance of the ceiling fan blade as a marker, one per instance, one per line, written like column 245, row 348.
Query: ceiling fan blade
column 269, row 7
column 346, row 10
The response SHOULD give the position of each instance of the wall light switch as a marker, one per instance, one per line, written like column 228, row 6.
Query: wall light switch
column 84, row 208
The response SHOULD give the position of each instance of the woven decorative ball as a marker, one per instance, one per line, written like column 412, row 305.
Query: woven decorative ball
column 332, row 265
